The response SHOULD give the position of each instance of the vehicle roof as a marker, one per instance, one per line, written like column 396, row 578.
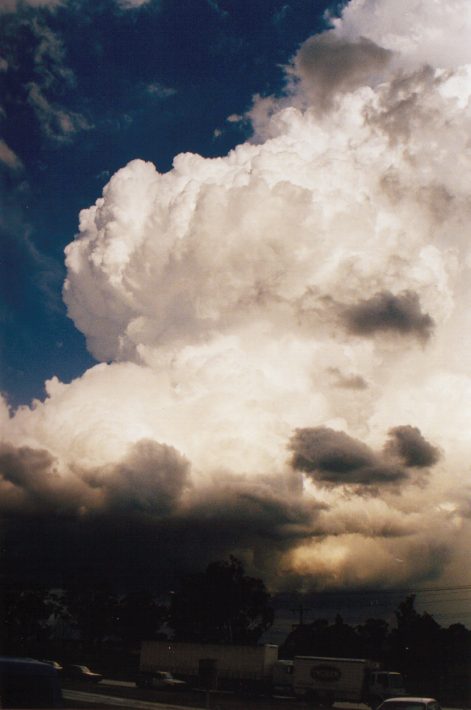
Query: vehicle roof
column 86, row 669
column 326, row 658
column 25, row 665
column 410, row 699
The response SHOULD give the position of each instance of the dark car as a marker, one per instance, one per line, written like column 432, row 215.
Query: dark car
column 79, row 672
column 410, row 703
column 162, row 680
column 27, row 683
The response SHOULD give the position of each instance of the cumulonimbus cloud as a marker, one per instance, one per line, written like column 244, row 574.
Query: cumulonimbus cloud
column 309, row 290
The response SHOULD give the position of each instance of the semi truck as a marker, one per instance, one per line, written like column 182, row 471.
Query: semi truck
column 323, row 680
column 328, row 680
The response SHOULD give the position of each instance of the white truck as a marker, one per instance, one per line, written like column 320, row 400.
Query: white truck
column 328, row 680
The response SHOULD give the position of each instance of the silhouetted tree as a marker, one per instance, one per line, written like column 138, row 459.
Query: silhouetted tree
column 94, row 613
column 221, row 605
column 456, row 643
column 320, row 638
column 416, row 646
column 139, row 617
column 343, row 639
column 373, row 637
column 25, row 616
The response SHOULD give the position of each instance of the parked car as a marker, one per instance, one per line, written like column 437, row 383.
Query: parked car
column 80, row 672
column 55, row 664
column 160, row 679
column 410, row 703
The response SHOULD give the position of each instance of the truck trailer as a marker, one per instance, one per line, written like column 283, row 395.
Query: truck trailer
column 328, row 680
column 237, row 667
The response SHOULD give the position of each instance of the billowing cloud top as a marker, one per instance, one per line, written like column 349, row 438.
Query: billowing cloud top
column 266, row 319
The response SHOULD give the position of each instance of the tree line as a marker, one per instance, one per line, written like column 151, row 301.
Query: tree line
column 220, row 605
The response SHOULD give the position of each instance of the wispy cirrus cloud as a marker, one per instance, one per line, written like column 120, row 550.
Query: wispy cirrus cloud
column 43, row 75
column 11, row 6
column 159, row 91
column 8, row 157
column 135, row 4
column 57, row 123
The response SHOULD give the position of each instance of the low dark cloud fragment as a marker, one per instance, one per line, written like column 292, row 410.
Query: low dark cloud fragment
column 325, row 449
column 333, row 458
column 347, row 381
column 387, row 312
column 410, row 446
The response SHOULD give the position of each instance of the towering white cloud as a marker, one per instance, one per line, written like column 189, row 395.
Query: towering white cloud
column 418, row 31
column 273, row 317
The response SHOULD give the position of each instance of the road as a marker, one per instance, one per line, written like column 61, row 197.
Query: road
column 102, row 701
column 109, row 694
column 122, row 694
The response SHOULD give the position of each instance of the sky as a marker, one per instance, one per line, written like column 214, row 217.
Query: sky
column 235, row 287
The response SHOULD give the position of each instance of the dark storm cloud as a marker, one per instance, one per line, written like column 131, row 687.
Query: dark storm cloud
column 408, row 444
column 124, row 549
column 386, row 311
column 30, row 482
column 139, row 520
column 332, row 458
column 151, row 478
column 244, row 509
column 139, row 517
column 328, row 65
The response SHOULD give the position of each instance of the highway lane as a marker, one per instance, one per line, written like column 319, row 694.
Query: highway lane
column 80, row 696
